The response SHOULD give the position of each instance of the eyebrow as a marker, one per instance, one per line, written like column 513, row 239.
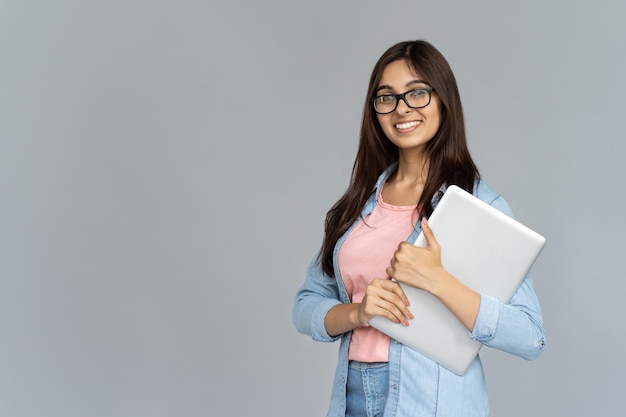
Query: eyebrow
column 409, row 84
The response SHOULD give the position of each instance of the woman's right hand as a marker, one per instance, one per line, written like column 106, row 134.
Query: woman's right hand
column 385, row 298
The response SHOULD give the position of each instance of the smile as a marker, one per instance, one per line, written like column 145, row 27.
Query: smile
column 406, row 125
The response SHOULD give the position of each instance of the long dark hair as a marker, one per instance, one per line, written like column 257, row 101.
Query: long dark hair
column 449, row 158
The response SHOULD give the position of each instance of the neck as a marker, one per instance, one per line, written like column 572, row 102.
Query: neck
column 405, row 187
column 412, row 169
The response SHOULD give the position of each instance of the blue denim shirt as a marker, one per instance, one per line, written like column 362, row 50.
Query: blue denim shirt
column 419, row 387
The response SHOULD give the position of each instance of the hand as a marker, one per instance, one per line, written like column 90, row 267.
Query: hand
column 416, row 266
column 385, row 298
column 421, row 268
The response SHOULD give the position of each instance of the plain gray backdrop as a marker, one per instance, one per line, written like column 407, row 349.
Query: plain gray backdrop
column 165, row 169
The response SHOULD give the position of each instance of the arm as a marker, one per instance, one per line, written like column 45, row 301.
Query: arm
column 317, row 295
column 382, row 298
column 515, row 327
column 319, row 312
column 421, row 268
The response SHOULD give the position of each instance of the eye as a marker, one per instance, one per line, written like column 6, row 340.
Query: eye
column 417, row 94
column 386, row 99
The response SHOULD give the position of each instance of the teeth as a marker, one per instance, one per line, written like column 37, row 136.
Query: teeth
column 406, row 125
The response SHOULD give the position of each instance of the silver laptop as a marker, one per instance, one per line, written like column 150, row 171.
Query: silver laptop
column 486, row 250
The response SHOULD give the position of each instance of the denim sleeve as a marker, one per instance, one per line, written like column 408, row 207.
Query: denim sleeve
column 318, row 294
column 515, row 327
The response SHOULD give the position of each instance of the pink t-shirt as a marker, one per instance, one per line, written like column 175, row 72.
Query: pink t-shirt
column 365, row 255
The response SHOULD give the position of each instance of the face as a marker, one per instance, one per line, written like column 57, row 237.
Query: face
column 408, row 128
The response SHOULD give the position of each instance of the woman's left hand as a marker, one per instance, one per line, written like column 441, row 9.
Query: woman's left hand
column 421, row 268
column 416, row 266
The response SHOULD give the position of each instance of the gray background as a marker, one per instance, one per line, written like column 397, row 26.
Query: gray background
column 165, row 168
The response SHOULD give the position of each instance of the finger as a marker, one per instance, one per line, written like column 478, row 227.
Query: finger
column 394, row 272
column 404, row 275
column 389, row 296
column 389, row 310
column 392, row 265
column 402, row 253
column 392, row 286
column 429, row 235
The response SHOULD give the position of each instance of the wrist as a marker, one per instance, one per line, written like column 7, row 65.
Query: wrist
column 355, row 316
column 443, row 283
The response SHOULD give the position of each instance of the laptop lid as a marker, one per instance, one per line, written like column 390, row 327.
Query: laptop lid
column 486, row 250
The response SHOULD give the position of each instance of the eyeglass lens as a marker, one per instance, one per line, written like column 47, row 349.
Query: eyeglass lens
column 414, row 98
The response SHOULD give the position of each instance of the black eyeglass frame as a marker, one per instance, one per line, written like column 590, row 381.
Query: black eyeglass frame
column 402, row 96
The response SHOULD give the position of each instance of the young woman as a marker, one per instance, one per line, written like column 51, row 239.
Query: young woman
column 412, row 146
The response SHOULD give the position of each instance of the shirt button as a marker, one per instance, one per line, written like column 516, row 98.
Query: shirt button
column 395, row 386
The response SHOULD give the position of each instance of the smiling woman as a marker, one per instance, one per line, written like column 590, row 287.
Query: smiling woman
column 412, row 147
column 409, row 127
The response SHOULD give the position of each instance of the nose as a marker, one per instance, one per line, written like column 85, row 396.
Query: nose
column 403, row 106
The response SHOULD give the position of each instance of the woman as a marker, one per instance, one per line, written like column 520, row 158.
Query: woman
column 412, row 146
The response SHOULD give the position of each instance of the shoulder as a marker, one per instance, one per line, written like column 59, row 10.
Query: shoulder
column 486, row 193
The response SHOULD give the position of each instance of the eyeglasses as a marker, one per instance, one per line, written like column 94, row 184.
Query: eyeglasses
column 415, row 99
